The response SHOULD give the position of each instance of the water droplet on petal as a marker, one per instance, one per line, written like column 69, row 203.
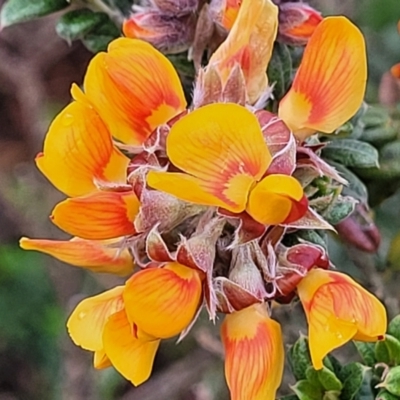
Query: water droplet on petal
column 82, row 315
column 67, row 120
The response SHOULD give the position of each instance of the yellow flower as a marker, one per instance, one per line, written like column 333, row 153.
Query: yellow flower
column 221, row 149
column 338, row 310
column 254, row 354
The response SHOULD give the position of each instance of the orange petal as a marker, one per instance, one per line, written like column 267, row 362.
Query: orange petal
column 131, row 357
column 93, row 255
column 78, row 152
column 134, row 88
column 249, row 44
column 330, row 83
column 102, row 215
column 272, row 199
column 87, row 321
column 100, row 360
column 395, row 70
column 254, row 354
column 222, row 147
column 163, row 301
column 337, row 308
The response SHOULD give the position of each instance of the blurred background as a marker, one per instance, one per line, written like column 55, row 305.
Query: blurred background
column 37, row 293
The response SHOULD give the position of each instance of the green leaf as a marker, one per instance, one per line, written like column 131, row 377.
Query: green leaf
column 312, row 236
column 15, row 11
column 78, row 23
column 388, row 350
column 312, row 377
column 99, row 38
column 366, row 351
column 329, row 380
column 355, row 187
column 394, row 327
column 352, row 153
column 307, row 391
column 289, row 397
column 299, row 358
column 341, row 208
column 280, row 71
column 392, row 381
column 385, row 395
column 356, row 379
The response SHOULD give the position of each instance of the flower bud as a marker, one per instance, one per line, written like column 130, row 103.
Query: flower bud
column 169, row 34
column 297, row 22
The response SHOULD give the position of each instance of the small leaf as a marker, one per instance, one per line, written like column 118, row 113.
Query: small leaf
column 355, row 187
column 392, row 381
column 385, row 395
column 356, row 380
column 307, row 391
column 299, row 358
column 394, row 327
column 329, row 380
column 388, row 350
column 99, row 38
column 352, row 153
column 78, row 23
column 312, row 237
column 366, row 351
column 339, row 210
column 280, row 70
column 312, row 377
column 15, row 11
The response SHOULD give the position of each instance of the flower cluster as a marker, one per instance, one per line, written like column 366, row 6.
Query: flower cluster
column 195, row 202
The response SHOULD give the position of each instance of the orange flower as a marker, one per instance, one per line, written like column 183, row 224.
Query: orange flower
column 134, row 88
column 254, row 354
column 330, row 83
column 338, row 309
column 249, row 44
column 93, row 255
column 221, row 149
column 124, row 325
column 395, row 70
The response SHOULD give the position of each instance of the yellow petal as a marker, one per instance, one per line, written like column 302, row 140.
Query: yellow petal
column 101, row 215
column 78, row 152
column 87, row 321
column 271, row 200
column 254, row 354
column 163, row 301
column 93, row 255
column 249, row 44
column 222, row 147
column 338, row 309
column 100, row 360
column 330, row 83
column 131, row 357
column 134, row 88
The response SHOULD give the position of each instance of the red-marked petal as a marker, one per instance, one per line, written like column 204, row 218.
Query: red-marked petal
column 93, row 255
column 271, row 201
column 134, row 88
column 337, row 309
column 163, row 301
column 101, row 215
column 222, row 147
column 329, row 86
column 131, row 357
column 87, row 321
column 78, row 152
column 254, row 354
column 249, row 44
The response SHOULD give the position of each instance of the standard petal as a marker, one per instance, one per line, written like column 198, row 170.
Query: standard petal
column 222, row 146
column 330, row 83
column 134, row 88
column 93, row 255
column 101, row 215
column 100, row 360
column 272, row 200
column 249, row 44
column 254, row 354
column 338, row 309
column 163, row 301
column 131, row 357
column 87, row 321
column 78, row 152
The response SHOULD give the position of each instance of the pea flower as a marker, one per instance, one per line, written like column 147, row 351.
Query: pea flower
column 338, row 309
